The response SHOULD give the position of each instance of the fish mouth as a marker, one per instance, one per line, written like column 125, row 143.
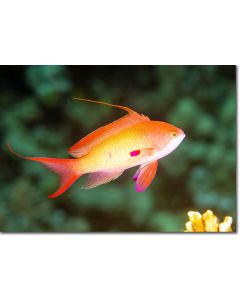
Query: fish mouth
column 179, row 139
column 175, row 143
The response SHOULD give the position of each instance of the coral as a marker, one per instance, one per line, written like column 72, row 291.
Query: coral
column 207, row 222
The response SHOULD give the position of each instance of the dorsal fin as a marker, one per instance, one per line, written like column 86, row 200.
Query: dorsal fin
column 105, row 103
column 83, row 146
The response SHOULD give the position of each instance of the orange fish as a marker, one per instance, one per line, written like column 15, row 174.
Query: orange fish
column 104, row 154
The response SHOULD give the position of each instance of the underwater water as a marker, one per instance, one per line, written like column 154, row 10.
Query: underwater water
column 40, row 118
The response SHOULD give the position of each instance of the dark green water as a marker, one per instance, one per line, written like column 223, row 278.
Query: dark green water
column 39, row 118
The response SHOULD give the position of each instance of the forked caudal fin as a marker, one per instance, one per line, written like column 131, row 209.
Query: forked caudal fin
column 61, row 166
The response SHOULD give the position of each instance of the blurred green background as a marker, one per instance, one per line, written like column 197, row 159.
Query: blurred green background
column 39, row 118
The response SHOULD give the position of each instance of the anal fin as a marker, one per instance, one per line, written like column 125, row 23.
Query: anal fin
column 98, row 178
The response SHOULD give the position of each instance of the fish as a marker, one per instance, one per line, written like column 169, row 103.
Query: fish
column 104, row 154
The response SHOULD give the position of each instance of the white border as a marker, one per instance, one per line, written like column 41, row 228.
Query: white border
column 114, row 266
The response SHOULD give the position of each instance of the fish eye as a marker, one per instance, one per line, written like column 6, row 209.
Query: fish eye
column 173, row 134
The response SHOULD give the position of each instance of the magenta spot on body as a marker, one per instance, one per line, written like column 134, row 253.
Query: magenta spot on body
column 135, row 152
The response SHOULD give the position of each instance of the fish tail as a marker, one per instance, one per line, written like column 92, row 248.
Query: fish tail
column 65, row 168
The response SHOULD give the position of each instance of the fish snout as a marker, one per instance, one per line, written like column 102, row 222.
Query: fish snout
column 181, row 137
column 180, row 134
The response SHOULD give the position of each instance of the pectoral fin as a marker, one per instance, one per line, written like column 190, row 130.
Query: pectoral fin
column 144, row 176
column 99, row 178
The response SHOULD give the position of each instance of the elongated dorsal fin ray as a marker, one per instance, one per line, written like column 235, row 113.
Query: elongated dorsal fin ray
column 87, row 143
column 105, row 103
